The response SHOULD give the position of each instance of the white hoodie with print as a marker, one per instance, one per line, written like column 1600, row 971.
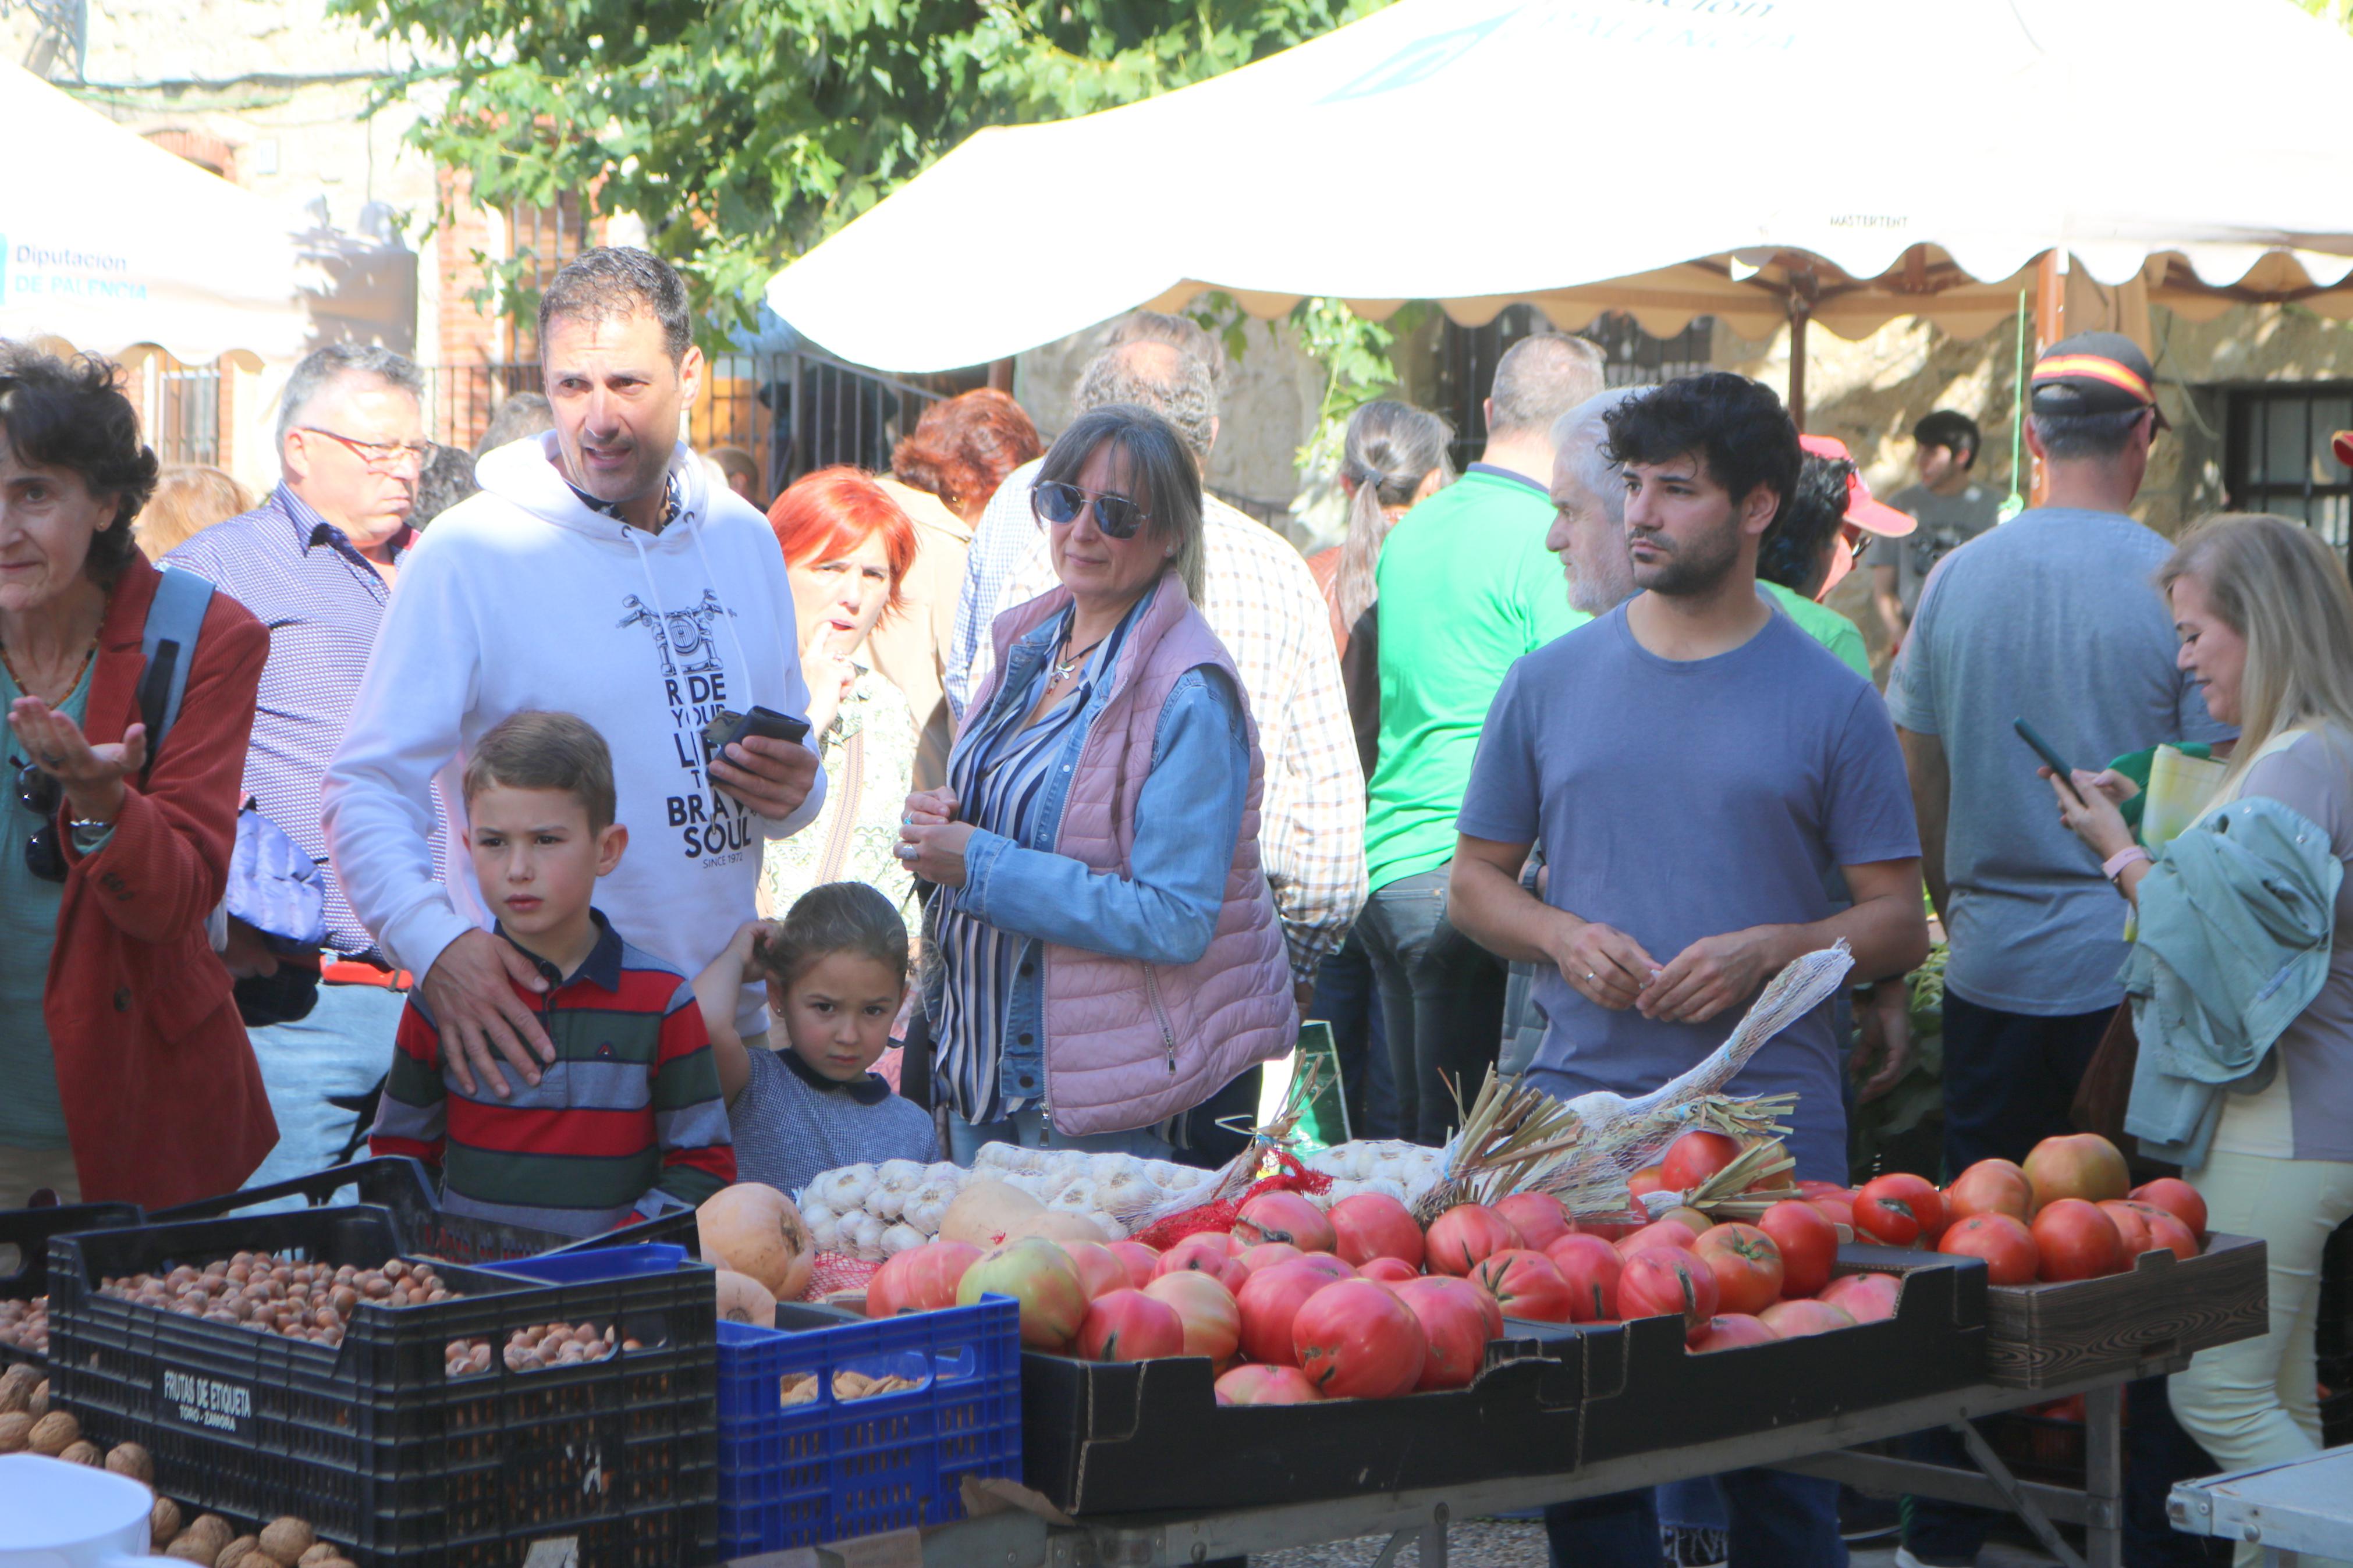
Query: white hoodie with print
column 526, row 597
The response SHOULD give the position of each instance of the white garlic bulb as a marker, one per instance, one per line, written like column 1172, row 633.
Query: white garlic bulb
column 899, row 1238
column 899, row 1177
column 1077, row 1196
column 825, row 1234
column 996, row 1158
column 844, row 1189
column 1127, row 1189
column 945, row 1171
column 1388, row 1188
column 928, row 1204
column 1170, row 1176
column 862, row 1233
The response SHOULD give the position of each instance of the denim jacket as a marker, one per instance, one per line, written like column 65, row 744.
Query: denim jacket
column 1187, row 819
column 2237, row 919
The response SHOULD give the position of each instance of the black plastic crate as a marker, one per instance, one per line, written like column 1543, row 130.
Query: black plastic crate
column 373, row 1441
column 402, row 1185
column 1645, row 1391
column 25, row 1251
column 1142, row 1437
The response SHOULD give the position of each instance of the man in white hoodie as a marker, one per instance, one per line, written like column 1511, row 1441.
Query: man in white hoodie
column 598, row 573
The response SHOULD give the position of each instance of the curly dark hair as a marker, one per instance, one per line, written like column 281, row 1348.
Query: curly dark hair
column 1736, row 427
column 72, row 414
column 1791, row 554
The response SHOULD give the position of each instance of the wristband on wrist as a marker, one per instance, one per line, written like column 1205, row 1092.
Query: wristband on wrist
column 2114, row 865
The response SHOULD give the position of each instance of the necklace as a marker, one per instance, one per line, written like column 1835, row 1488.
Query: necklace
column 1065, row 666
column 26, row 687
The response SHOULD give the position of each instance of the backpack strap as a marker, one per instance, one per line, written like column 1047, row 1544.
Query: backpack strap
column 168, row 644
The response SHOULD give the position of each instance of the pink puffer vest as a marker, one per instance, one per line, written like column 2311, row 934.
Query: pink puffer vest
column 1128, row 1043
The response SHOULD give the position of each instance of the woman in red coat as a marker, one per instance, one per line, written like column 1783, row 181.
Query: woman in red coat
column 124, row 1070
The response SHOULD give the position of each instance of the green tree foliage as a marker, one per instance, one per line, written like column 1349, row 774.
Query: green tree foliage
column 744, row 132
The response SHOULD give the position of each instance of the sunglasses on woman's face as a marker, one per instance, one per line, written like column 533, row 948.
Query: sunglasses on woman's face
column 1058, row 504
column 40, row 793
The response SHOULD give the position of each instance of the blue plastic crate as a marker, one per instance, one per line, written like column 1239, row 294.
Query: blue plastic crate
column 797, row 1475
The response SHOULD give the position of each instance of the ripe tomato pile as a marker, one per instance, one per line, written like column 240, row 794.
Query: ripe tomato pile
column 2064, row 1215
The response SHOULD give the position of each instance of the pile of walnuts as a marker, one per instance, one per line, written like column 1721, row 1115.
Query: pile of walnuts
column 212, row 1542
column 257, row 1290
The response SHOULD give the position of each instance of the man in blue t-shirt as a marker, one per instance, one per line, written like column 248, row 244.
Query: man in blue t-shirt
column 1694, row 765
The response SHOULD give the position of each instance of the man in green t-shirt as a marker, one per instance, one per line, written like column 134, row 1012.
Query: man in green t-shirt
column 1466, row 587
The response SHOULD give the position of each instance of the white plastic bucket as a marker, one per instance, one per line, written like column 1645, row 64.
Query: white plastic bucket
column 56, row 1515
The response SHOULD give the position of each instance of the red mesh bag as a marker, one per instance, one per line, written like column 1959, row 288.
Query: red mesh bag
column 1294, row 1177
column 831, row 1271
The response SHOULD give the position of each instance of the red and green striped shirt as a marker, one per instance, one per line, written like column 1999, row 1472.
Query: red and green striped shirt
column 626, row 1122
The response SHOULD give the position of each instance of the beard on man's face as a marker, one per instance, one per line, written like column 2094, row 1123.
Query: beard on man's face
column 1692, row 568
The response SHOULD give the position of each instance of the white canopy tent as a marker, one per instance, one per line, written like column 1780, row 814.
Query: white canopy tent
column 1855, row 161
column 109, row 242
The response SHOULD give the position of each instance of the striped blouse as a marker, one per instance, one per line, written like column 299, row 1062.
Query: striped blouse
column 1001, row 779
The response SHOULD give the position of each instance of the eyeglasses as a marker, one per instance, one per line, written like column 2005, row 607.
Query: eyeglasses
column 1058, row 504
column 41, row 794
column 381, row 456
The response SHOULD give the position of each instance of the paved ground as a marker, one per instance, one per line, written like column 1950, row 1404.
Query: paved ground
column 1520, row 1544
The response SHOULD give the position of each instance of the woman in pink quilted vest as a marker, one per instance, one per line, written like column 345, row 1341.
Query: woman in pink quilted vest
column 1105, row 952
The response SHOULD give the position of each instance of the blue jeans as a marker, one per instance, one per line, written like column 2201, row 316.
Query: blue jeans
column 1030, row 1129
column 343, row 1047
column 1441, row 1002
column 1347, row 999
column 1775, row 1521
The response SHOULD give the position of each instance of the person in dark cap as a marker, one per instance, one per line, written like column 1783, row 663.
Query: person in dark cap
column 2051, row 617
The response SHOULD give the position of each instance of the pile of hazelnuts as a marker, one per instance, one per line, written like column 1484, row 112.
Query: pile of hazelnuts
column 260, row 1291
column 536, row 1348
column 25, row 1325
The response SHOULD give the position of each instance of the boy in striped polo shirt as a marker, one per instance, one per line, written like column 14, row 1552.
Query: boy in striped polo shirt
column 626, row 1122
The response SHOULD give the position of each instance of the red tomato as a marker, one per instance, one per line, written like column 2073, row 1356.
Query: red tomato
column 1455, row 1324
column 2177, row 1198
column 1099, row 1270
column 1356, row 1340
column 1525, row 1285
column 1900, row 1208
column 1387, row 1271
column 1141, row 1262
column 1865, row 1297
column 1659, row 1233
column 2076, row 1241
column 1375, row 1224
column 1809, row 1245
column 1795, row 1319
column 1747, row 1263
column 1205, row 1252
column 1589, row 1267
column 920, row 1279
column 1211, row 1318
column 1464, row 1235
column 1837, row 1210
column 1270, row 1299
column 1538, row 1217
column 2002, row 1240
column 1254, row 1384
column 1649, row 1179
column 1694, row 1158
column 1267, row 1253
column 2079, row 1165
column 1668, row 1282
column 1128, row 1325
column 2131, row 1228
column 1990, row 1186
column 1325, row 1263
column 1284, row 1216
column 2167, row 1232
column 1691, row 1219
column 1731, row 1330
column 1809, row 1188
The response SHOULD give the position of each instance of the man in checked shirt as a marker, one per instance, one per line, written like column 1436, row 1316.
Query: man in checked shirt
column 1262, row 602
column 316, row 561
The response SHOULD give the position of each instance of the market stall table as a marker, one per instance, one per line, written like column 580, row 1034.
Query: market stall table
column 2298, row 1506
column 1016, row 1540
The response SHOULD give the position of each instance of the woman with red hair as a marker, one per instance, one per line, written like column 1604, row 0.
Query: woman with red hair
column 847, row 549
